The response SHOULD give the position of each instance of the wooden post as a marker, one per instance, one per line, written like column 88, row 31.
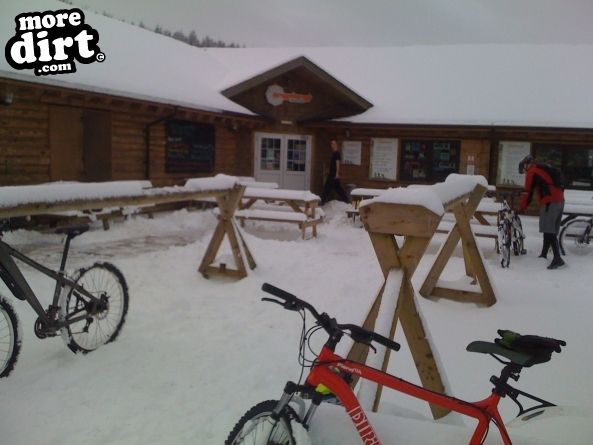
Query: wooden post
column 227, row 205
column 383, row 220
column 417, row 224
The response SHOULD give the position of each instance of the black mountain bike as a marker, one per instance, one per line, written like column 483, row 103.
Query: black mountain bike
column 88, row 308
column 510, row 234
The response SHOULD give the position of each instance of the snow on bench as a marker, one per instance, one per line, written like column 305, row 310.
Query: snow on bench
column 281, row 205
column 13, row 196
column 280, row 194
column 271, row 215
column 584, row 197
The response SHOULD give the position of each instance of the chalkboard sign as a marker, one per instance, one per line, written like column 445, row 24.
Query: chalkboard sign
column 189, row 147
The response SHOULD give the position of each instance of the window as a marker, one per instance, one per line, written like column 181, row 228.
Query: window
column 270, row 154
column 429, row 161
column 297, row 155
column 575, row 161
column 189, row 147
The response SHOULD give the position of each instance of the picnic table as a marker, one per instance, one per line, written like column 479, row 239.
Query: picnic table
column 281, row 205
column 577, row 203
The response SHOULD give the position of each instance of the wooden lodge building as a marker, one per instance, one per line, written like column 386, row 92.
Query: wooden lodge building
column 161, row 110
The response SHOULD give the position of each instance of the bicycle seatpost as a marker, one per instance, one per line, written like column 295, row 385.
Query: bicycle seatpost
column 65, row 254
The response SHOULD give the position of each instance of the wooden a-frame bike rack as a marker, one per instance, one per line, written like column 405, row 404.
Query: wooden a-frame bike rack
column 227, row 205
column 384, row 220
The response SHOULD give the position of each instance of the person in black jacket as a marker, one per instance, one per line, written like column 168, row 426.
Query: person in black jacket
column 332, row 183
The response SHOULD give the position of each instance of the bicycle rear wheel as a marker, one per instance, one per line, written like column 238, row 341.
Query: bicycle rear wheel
column 10, row 337
column 257, row 427
column 576, row 237
column 104, row 318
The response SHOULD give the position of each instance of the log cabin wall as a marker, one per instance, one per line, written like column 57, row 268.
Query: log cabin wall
column 472, row 142
column 50, row 133
column 481, row 143
column 27, row 140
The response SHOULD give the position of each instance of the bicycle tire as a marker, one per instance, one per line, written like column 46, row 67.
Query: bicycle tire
column 10, row 337
column 106, row 282
column 504, row 244
column 576, row 237
column 257, row 427
column 518, row 237
column 518, row 245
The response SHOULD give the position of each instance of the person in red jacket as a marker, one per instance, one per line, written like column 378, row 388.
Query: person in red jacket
column 551, row 203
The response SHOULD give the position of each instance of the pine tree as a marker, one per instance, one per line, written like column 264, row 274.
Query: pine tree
column 180, row 36
column 193, row 39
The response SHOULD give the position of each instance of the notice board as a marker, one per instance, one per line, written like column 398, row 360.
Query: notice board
column 189, row 147
column 383, row 164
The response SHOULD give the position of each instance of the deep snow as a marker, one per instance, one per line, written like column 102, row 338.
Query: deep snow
column 195, row 353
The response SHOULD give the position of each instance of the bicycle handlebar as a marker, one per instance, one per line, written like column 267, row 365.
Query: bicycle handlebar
column 358, row 333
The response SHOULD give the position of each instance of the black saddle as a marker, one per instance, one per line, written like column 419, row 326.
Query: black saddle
column 73, row 231
column 522, row 350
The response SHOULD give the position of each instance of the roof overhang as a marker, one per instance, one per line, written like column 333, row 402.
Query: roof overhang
column 297, row 91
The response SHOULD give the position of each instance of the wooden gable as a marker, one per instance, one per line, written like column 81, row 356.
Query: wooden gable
column 297, row 91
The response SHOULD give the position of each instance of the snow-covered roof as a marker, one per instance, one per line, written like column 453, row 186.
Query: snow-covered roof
column 517, row 85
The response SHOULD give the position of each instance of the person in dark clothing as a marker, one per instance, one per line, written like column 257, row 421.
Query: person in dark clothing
column 332, row 183
column 551, row 203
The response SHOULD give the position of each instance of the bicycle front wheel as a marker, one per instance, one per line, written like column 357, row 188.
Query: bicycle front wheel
column 257, row 427
column 94, row 322
column 576, row 237
column 504, row 244
column 10, row 337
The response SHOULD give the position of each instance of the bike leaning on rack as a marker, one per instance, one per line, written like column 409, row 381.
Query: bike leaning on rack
column 275, row 422
column 576, row 236
column 510, row 234
column 88, row 308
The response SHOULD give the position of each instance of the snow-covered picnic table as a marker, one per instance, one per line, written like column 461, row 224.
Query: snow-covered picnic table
column 281, row 205
column 27, row 201
column 577, row 203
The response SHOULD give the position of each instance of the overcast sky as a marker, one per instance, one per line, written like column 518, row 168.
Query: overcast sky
column 265, row 23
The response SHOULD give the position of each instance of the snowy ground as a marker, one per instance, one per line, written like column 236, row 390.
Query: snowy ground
column 195, row 353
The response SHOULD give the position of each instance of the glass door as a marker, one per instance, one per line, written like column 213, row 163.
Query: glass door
column 283, row 159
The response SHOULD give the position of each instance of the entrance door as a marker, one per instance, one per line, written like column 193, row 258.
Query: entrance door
column 284, row 159
column 66, row 144
column 80, row 144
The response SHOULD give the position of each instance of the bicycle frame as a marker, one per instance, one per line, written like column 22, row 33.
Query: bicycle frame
column 19, row 286
column 327, row 370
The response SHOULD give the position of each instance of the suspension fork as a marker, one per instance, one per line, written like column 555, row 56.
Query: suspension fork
column 290, row 389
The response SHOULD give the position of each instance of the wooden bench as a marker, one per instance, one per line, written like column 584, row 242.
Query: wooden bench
column 281, row 205
column 279, row 216
column 479, row 230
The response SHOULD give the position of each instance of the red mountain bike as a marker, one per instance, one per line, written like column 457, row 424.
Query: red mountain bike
column 330, row 376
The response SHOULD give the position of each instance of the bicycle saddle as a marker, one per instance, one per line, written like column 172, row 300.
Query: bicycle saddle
column 486, row 347
column 73, row 231
column 523, row 350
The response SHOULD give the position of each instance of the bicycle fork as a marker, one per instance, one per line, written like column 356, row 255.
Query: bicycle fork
column 304, row 415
